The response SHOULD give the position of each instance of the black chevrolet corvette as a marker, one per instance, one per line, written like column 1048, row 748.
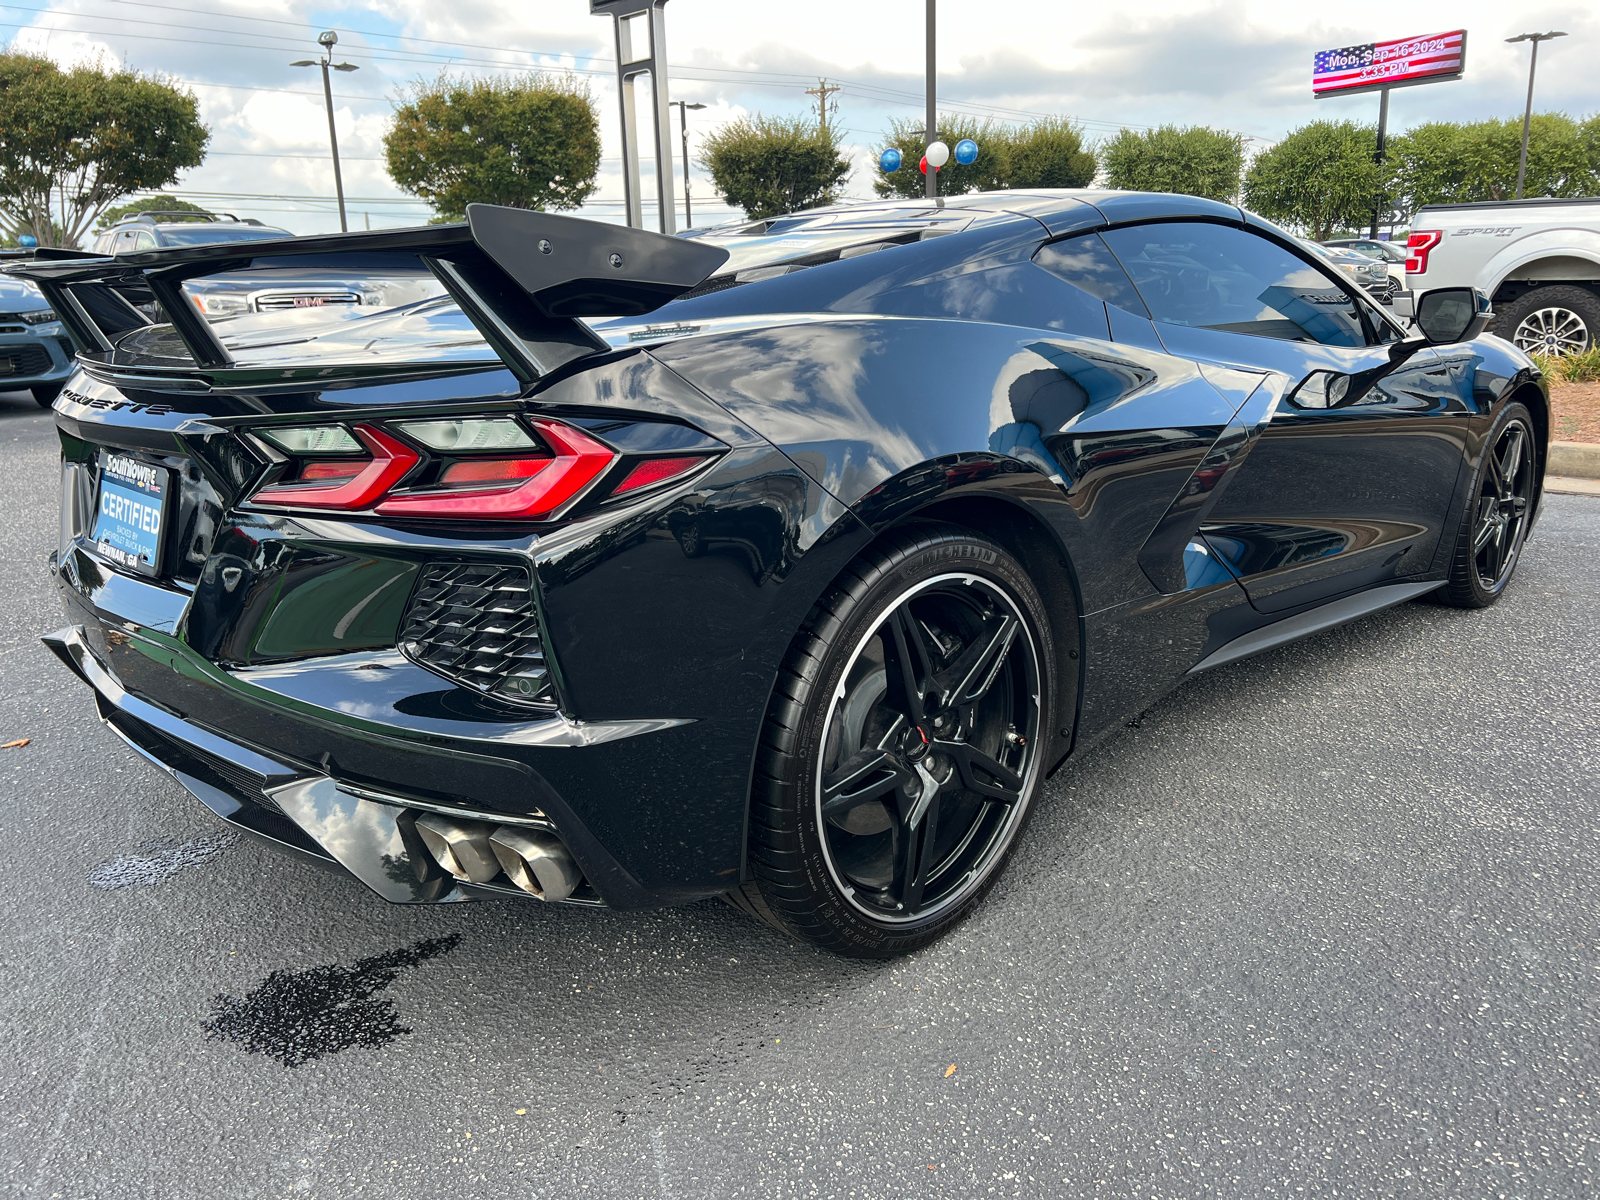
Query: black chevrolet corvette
column 783, row 562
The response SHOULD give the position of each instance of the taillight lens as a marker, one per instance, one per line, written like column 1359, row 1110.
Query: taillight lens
column 656, row 470
column 344, row 482
column 1417, row 246
column 481, row 468
column 528, row 487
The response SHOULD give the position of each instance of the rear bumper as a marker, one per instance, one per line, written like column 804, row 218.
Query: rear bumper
column 303, row 757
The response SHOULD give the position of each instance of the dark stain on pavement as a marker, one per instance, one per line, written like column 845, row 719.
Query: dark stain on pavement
column 155, row 860
column 297, row 1016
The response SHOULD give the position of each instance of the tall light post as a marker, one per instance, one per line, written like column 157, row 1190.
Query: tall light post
column 930, row 85
column 328, row 39
column 683, row 108
column 1527, row 113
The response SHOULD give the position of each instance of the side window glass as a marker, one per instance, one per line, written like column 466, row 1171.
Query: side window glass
column 1087, row 263
column 144, row 241
column 124, row 242
column 1217, row 277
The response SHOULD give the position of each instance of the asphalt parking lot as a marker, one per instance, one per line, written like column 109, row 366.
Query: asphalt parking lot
column 1323, row 923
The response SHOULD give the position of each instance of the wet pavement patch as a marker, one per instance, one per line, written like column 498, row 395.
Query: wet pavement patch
column 155, row 860
column 297, row 1016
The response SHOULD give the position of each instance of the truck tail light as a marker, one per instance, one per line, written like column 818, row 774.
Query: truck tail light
column 1417, row 246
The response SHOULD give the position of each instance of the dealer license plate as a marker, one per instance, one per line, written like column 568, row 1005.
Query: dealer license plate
column 131, row 516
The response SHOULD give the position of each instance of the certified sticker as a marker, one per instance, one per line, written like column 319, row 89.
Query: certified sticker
column 127, row 528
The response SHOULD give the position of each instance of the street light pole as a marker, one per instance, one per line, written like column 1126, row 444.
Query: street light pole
column 931, row 187
column 1527, row 113
column 327, row 39
column 683, row 108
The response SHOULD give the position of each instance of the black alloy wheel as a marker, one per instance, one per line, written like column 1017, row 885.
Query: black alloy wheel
column 905, row 746
column 1500, row 509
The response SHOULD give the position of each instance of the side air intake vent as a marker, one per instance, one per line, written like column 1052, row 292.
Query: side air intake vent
column 474, row 623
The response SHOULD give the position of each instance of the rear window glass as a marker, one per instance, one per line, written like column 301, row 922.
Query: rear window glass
column 1217, row 277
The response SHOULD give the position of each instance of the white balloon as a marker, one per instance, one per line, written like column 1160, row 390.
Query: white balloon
column 938, row 154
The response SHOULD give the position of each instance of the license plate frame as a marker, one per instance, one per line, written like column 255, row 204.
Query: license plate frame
column 132, row 510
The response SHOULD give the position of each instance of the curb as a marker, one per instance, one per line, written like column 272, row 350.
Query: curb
column 1566, row 485
column 1576, row 460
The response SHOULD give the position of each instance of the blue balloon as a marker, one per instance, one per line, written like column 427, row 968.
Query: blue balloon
column 889, row 161
column 966, row 151
column 27, row 241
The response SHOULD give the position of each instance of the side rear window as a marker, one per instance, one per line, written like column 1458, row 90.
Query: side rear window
column 1218, row 277
column 1087, row 263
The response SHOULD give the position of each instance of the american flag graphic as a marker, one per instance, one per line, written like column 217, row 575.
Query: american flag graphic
column 1388, row 64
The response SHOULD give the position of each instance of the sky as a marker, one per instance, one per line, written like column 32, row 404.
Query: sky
column 1243, row 67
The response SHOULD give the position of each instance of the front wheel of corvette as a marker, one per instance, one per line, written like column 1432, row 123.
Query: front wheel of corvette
column 903, row 749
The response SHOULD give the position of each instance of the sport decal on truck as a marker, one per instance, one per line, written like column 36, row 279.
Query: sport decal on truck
column 1487, row 231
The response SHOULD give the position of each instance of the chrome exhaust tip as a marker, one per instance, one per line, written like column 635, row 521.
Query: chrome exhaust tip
column 460, row 847
column 536, row 862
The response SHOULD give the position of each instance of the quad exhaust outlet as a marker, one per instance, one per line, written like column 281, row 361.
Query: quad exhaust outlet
column 476, row 852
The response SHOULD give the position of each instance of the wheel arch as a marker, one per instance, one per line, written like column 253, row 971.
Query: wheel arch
column 1029, row 539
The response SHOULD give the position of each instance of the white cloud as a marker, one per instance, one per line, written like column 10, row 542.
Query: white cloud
column 1242, row 66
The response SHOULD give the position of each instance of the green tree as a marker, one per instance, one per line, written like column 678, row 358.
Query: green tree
column 1196, row 161
column 983, row 174
column 149, row 204
column 72, row 143
column 772, row 165
column 1443, row 162
column 528, row 142
column 1048, row 153
column 1320, row 179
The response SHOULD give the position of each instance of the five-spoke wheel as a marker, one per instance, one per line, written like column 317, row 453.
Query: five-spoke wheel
column 905, row 745
column 929, row 742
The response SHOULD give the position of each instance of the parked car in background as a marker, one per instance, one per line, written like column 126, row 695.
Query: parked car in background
column 1393, row 258
column 350, row 284
column 35, row 351
column 1537, row 260
column 1365, row 271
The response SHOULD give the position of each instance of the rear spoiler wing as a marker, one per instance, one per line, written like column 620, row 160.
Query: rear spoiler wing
column 523, row 278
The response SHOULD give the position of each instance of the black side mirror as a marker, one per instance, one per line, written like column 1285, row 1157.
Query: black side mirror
column 1456, row 314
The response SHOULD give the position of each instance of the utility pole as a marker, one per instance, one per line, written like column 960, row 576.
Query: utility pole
column 328, row 39
column 1527, row 113
column 932, row 134
column 822, row 91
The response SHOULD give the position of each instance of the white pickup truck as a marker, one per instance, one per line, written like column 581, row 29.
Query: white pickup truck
column 1537, row 260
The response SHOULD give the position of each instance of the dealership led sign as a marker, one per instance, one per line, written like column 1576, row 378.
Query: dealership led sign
column 1403, row 63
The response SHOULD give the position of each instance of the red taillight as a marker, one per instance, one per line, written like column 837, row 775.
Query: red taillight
column 1417, row 246
column 656, row 470
column 546, row 484
column 495, row 470
column 347, row 483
